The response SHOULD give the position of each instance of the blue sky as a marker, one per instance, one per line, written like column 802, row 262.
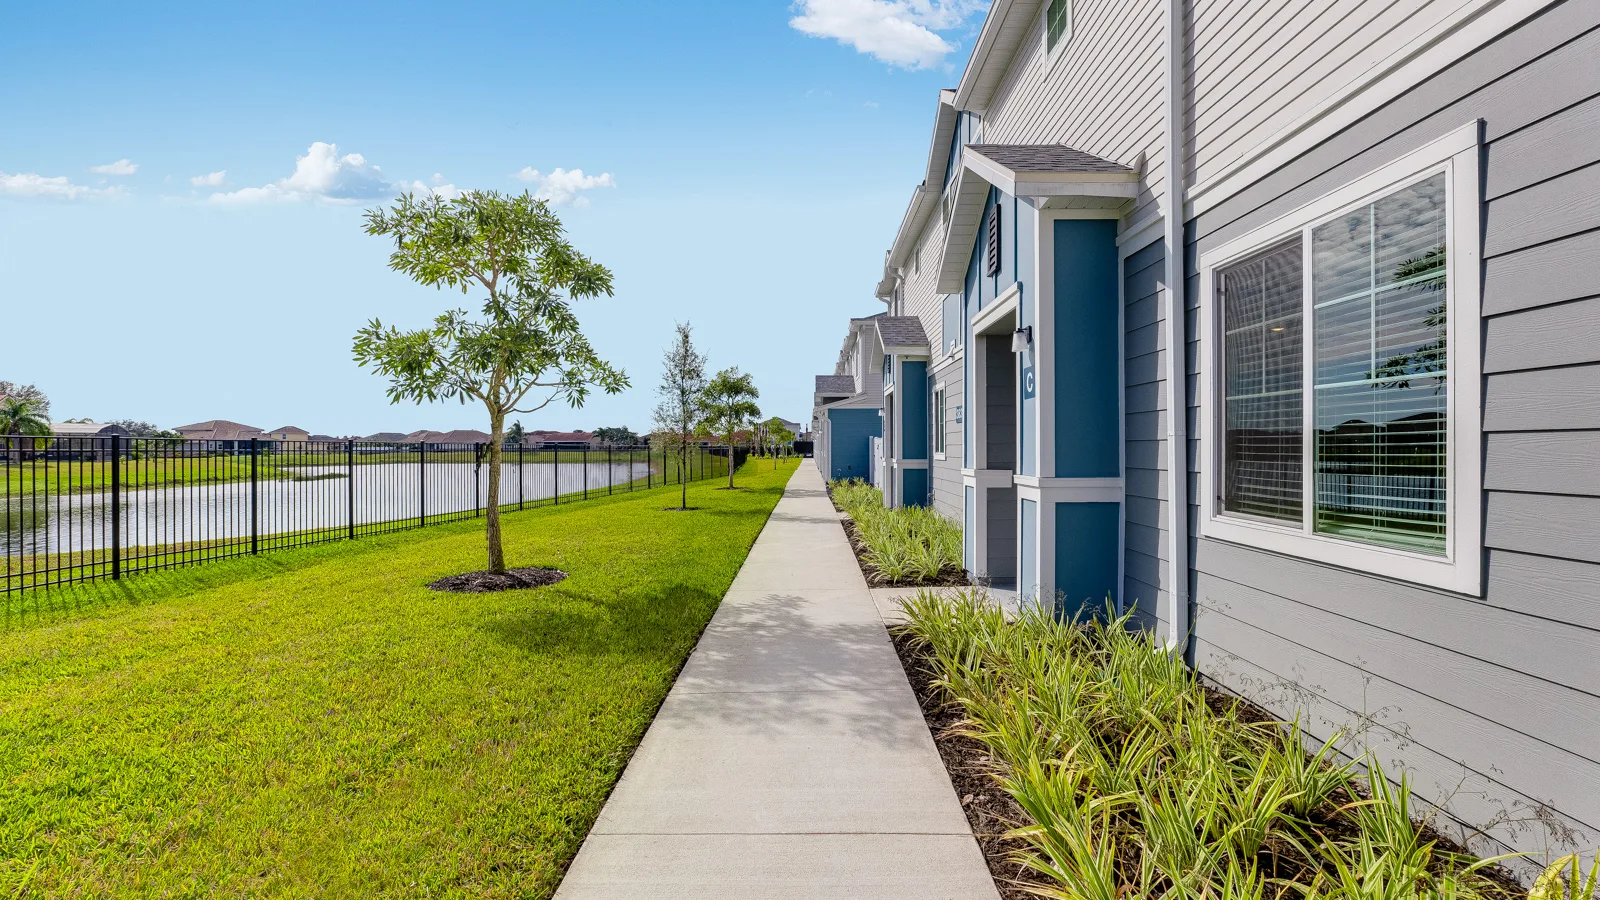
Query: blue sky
column 180, row 240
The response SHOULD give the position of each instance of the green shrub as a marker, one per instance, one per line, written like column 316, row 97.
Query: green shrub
column 1141, row 785
column 912, row 543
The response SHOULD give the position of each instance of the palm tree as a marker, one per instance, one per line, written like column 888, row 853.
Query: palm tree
column 20, row 416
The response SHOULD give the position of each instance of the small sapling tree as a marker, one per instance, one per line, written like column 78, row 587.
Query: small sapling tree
column 525, row 351
column 683, row 384
column 730, row 406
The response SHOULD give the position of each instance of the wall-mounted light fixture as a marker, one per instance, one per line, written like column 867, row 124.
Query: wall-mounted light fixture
column 1021, row 338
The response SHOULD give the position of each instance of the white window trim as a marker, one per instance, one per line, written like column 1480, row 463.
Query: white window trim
column 940, row 423
column 1051, row 56
column 1460, row 569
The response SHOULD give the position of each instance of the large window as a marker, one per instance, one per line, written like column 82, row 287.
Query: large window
column 1342, row 375
column 1378, row 294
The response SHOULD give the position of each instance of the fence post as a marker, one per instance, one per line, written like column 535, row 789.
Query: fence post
column 116, row 506
column 422, row 483
column 521, row 470
column 255, row 502
column 350, row 493
column 477, row 492
column 611, row 472
column 586, row 472
column 557, row 491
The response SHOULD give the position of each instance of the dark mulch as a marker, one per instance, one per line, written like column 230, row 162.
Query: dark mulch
column 679, row 508
column 990, row 811
column 487, row 582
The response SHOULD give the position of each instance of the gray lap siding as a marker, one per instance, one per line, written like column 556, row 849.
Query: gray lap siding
column 946, row 475
column 1144, row 587
column 1492, row 703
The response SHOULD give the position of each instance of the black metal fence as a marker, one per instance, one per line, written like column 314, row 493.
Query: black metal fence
column 81, row 508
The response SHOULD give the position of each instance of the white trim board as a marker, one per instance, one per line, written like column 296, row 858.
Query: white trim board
column 1461, row 569
column 1474, row 24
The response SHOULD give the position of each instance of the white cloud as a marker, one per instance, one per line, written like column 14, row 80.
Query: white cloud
column 322, row 175
column 560, row 186
column 899, row 32
column 214, row 179
column 436, row 186
column 57, row 187
column 120, row 167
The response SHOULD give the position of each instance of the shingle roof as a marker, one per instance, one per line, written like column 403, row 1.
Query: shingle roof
column 836, row 384
column 902, row 331
column 1048, row 158
column 385, row 436
column 218, row 430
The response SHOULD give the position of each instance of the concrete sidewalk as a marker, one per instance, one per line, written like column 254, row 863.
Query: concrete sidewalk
column 790, row 761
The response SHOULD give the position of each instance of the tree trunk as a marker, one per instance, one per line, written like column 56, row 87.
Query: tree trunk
column 497, row 556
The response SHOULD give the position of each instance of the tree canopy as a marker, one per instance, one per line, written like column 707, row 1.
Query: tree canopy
column 525, row 349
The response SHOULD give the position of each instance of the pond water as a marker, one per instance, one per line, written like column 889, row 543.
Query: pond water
column 383, row 492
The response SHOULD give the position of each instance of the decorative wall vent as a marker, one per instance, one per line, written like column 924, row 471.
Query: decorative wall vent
column 991, row 265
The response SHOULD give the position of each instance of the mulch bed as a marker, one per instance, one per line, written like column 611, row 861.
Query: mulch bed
column 952, row 576
column 990, row 811
column 486, row 582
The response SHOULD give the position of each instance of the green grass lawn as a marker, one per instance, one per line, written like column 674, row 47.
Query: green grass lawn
column 318, row 723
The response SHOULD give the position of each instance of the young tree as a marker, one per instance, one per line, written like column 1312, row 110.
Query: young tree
column 777, row 435
column 730, row 405
column 525, row 351
column 22, row 416
column 683, row 382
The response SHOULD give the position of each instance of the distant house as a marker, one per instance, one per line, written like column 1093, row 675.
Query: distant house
column 421, row 436
column 222, row 435
column 82, row 440
column 288, row 433
column 563, row 440
column 460, row 436
column 384, row 437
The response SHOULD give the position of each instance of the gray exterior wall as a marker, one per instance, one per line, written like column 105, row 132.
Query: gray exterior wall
column 1144, row 587
column 1492, row 703
column 946, row 473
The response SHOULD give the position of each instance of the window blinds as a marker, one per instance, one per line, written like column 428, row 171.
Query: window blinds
column 1263, row 384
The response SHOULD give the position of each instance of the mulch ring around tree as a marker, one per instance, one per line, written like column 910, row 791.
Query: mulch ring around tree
column 488, row 582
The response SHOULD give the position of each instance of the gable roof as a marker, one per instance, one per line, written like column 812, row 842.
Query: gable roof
column 903, row 334
column 1051, row 158
column 1004, row 29
column 284, row 428
column 385, row 437
column 836, row 384
column 459, row 436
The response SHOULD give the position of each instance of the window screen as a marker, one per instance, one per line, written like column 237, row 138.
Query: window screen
column 1263, row 384
column 1379, row 285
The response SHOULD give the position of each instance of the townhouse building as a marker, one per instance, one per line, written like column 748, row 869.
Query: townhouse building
column 1278, row 326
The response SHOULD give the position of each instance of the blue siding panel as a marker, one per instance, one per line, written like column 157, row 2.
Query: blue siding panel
column 1087, row 392
column 1028, row 553
column 914, row 399
column 851, row 453
column 1086, row 556
column 914, row 485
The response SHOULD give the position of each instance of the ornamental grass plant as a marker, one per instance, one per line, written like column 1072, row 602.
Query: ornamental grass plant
column 1141, row 783
column 909, row 544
